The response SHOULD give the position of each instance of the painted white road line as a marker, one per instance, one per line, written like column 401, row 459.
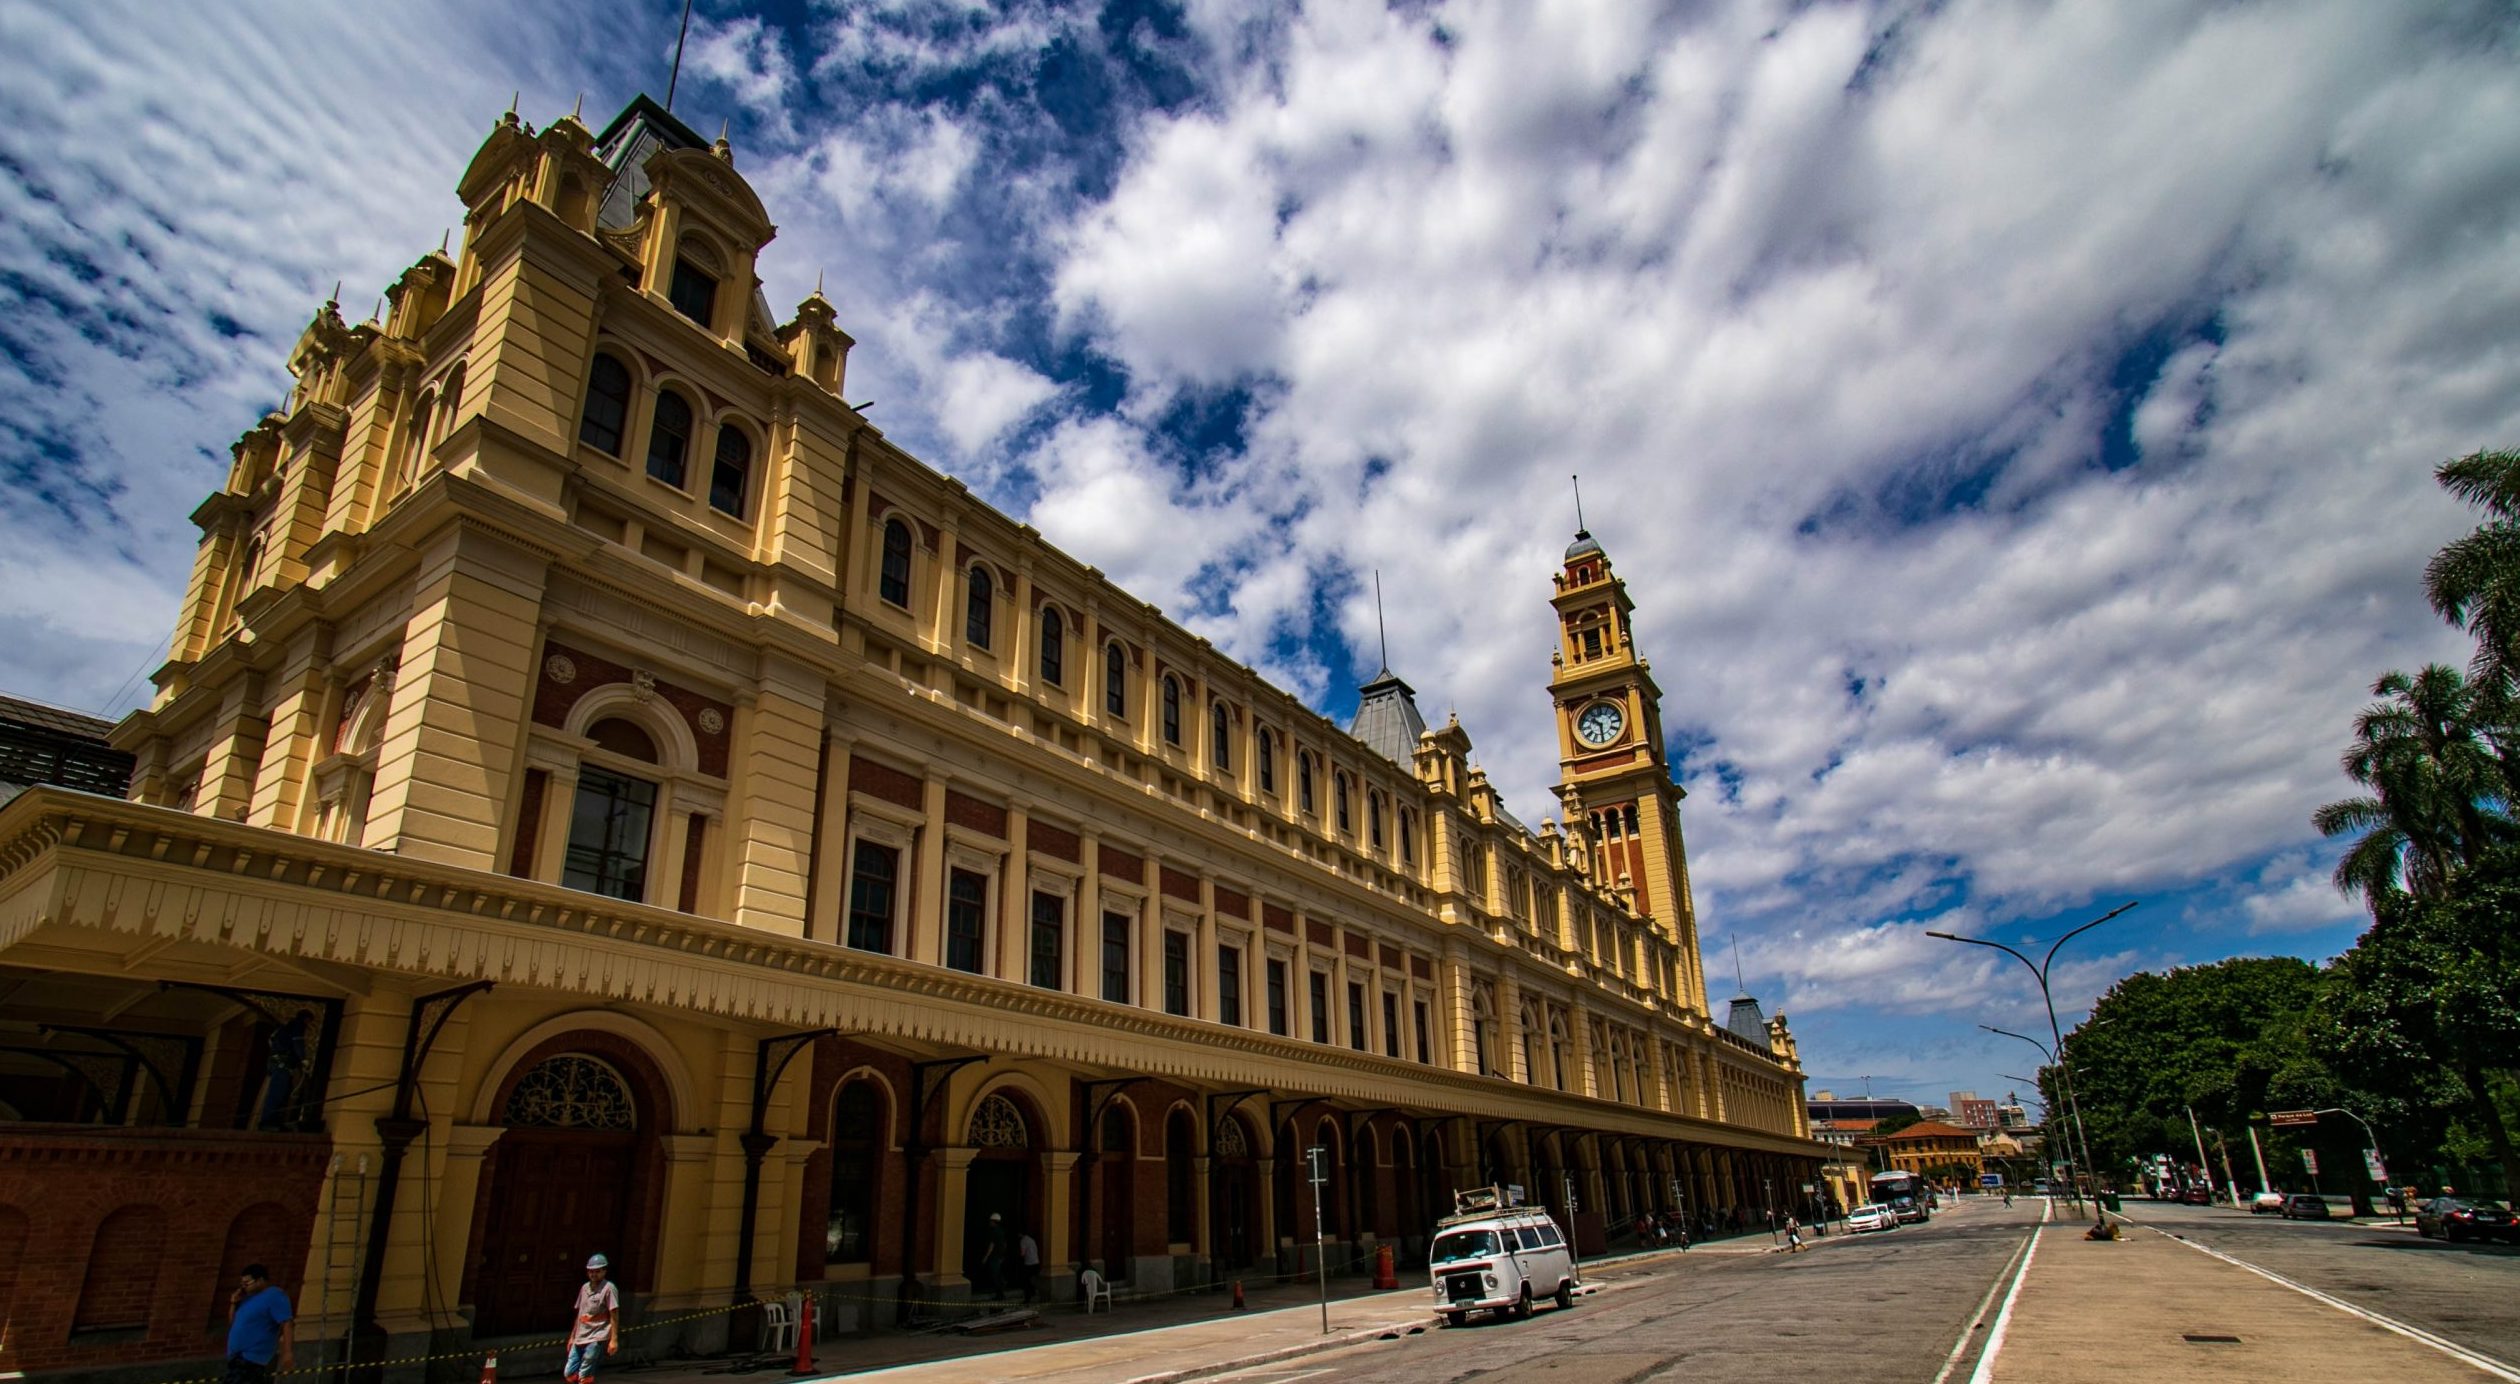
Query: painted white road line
column 2453, row 1349
column 1969, row 1329
column 2003, row 1319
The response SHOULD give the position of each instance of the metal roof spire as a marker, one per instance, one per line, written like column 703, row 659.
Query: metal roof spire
column 1580, row 531
column 675, row 77
column 1382, row 632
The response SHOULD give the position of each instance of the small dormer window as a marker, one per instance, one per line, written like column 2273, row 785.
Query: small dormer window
column 694, row 292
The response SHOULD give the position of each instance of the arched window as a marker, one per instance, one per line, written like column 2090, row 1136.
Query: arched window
column 624, row 738
column 1408, row 837
column 979, row 604
column 895, row 583
column 1304, row 779
column 857, row 1139
column 610, row 830
column 1339, row 800
column 1172, row 710
column 607, row 414
column 730, row 473
column 416, row 440
column 1115, row 679
column 572, row 1091
column 1268, row 760
column 997, row 1124
column 669, row 438
column 1373, row 816
column 1220, row 735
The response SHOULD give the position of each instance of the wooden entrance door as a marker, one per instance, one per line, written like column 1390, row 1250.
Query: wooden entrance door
column 558, row 1195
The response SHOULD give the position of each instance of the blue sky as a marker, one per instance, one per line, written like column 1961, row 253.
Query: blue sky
column 2014, row 421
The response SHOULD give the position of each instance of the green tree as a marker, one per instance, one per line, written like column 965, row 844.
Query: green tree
column 2428, row 1001
column 2475, row 581
column 2428, row 751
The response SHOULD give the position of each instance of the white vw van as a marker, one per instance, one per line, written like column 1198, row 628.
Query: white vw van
column 1495, row 1254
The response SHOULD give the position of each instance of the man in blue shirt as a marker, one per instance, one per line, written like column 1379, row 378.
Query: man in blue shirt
column 261, row 1332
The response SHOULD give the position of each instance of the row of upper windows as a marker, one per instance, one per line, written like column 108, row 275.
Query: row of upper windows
column 605, row 425
column 874, row 923
column 979, row 631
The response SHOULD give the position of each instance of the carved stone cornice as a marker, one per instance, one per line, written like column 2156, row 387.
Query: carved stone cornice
column 70, row 860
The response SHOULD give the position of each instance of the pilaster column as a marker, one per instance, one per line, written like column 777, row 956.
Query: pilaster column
column 1084, row 963
column 1014, row 951
column 779, row 745
column 927, row 888
column 831, row 846
column 953, row 1176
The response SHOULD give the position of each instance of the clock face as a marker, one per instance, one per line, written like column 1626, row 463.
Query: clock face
column 1599, row 723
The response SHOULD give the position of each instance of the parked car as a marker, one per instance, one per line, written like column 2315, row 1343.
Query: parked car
column 1876, row 1217
column 2302, row 1206
column 2459, row 1219
column 2198, row 1194
column 1492, row 1255
column 2264, row 1202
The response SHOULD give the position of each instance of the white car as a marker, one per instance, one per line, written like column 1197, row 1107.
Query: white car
column 1864, row 1218
column 2266, row 1203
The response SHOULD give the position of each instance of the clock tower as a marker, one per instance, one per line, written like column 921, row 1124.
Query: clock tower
column 1622, row 808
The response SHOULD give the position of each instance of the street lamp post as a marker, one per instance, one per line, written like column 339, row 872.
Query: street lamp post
column 2056, row 1060
column 2039, row 971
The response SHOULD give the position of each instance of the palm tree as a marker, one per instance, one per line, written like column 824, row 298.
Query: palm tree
column 2429, row 753
column 2475, row 581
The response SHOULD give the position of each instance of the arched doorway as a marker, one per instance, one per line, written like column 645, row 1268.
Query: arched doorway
column 999, row 1182
column 1116, row 1170
column 1236, row 1180
column 1181, row 1179
column 861, row 1117
column 567, row 1182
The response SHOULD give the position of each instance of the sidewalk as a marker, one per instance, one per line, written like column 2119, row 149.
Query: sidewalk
column 2150, row 1307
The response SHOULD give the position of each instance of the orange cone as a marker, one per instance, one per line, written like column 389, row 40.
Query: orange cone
column 1238, row 1297
column 490, row 1368
column 805, row 1340
column 1385, row 1276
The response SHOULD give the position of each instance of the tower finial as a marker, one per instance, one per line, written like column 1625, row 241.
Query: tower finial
column 335, row 299
column 1580, row 530
column 1382, row 632
column 445, row 235
column 818, row 283
column 1738, row 978
column 578, row 111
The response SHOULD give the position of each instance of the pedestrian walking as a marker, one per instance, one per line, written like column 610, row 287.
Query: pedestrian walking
column 598, row 1322
column 993, row 1258
column 1028, row 1261
column 262, row 1331
column 1793, row 1235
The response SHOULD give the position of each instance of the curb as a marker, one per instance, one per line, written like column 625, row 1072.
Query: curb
column 1271, row 1357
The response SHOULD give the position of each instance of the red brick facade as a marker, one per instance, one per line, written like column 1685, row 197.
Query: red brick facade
column 119, row 1246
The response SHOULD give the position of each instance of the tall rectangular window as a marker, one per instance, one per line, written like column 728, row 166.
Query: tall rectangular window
column 1229, row 985
column 1424, row 1054
column 1115, row 956
column 1391, row 1024
column 1049, row 941
column 1356, row 1016
column 874, row 874
column 1177, row 973
column 1319, row 994
column 966, row 918
column 1277, row 997
column 693, row 292
column 608, row 835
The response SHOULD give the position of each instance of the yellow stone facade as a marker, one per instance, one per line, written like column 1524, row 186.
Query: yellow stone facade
column 568, row 631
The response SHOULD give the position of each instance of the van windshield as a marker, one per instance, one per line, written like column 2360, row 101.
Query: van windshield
column 1462, row 1244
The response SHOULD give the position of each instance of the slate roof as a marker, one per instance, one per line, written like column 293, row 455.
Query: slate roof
column 1387, row 719
column 1746, row 1021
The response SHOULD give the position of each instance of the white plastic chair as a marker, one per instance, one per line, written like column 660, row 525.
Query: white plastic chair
column 1095, row 1287
column 778, row 1325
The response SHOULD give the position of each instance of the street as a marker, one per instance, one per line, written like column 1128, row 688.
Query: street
column 1895, row 1301
column 2464, row 1293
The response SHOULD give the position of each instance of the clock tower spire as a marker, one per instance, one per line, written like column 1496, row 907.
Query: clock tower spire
column 1614, row 780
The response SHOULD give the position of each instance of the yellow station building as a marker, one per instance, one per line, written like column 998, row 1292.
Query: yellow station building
column 605, row 796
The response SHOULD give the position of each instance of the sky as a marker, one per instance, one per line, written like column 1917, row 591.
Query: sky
column 2015, row 422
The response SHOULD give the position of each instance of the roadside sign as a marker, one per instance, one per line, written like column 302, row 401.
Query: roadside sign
column 1990, row 1179
column 2379, row 1171
column 2284, row 1118
column 2310, row 1161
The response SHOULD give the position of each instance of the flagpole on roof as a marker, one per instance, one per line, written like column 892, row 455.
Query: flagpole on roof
column 675, row 78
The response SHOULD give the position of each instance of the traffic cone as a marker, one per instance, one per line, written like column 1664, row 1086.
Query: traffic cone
column 1239, row 1305
column 805, row 1340
column 490, row 1368
column 1385, row 1276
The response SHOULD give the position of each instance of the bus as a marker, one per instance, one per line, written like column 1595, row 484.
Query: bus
column 1904, row 1193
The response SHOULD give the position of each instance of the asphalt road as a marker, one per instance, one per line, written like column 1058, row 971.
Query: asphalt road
column 2465, row 1293
column 1898, row 1301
